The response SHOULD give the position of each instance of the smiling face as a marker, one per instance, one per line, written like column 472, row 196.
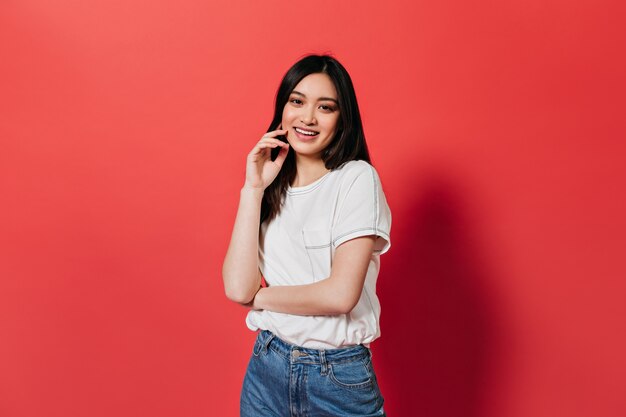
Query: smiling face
column 311, row 115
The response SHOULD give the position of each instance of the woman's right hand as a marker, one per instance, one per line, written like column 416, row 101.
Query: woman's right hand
column 260, row 169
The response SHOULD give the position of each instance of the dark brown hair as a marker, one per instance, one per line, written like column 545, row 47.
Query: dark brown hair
column 348, row 143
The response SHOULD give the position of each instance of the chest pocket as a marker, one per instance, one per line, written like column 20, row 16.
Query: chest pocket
column 317, row 244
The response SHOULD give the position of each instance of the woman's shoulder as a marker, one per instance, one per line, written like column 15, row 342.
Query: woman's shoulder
column 355, row 167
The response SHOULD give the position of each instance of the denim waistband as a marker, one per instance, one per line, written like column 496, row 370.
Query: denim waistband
column 268, row 340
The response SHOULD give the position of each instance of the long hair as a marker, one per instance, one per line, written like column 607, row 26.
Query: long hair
column 348, row 143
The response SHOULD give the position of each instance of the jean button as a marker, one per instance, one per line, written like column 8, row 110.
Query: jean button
column 296, row 354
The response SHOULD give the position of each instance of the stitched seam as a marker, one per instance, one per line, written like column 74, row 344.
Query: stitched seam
column 359, row 385
column 375, row 198
column 277, row 351
column 318, row 246
column 303, row 394
column 376, row 232
column 311, row 189
column 305, row 362
column 308, row 255
column 372, row 312
column 308, row 362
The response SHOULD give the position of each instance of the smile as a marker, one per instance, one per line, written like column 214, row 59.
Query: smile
column 305, row 132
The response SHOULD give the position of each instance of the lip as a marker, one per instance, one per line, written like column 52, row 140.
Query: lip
column 304, row 137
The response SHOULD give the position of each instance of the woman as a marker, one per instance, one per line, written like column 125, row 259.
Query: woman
column 313, row 221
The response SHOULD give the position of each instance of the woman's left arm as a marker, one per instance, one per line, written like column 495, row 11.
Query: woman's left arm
column 336, row 295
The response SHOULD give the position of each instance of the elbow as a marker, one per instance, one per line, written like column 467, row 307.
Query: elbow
column 345, row 297
column 236, row 290
column 346, row 304
column 238, row 296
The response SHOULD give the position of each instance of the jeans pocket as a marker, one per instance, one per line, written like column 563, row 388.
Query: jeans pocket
column 351, row 375
column 318, row 248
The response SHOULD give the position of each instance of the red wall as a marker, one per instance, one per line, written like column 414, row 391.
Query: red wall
column 498, row 132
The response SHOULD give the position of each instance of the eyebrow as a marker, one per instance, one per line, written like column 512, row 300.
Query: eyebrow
column 319, row 99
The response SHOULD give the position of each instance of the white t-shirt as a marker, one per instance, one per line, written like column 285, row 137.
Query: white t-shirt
column 298, row 246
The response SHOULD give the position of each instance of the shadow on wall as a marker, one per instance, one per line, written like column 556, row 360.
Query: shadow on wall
column 438, row 321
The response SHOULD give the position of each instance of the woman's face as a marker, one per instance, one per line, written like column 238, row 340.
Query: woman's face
column 311, row 115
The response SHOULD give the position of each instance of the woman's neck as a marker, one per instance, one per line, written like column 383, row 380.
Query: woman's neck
column 308, row 171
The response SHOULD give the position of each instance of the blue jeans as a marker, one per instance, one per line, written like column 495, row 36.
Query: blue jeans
column 285, row 380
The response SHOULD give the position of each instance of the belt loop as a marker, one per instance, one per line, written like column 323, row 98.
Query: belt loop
column 267, row 342
column 323, row 362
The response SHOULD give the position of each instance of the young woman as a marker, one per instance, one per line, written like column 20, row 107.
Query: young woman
column 312, row 221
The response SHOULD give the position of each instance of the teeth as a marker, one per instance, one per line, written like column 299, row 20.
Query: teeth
column 305, row 132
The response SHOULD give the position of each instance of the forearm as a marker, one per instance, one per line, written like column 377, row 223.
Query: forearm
column 322, row 298
column 240, row 270
column 338, row 294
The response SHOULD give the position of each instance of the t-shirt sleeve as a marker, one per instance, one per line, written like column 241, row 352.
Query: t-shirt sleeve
column 363, row 211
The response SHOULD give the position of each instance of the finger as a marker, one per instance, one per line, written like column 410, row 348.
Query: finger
column 282, row 155
column 259, row 148
column 269, row 138
column 275, row 133
column 272, row 140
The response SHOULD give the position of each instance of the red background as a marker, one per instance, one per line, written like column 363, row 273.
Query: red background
column 498, row 132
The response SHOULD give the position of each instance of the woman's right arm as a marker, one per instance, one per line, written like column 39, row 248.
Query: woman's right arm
column 240, row 271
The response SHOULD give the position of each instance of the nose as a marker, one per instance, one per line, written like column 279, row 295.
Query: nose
column 308, row 116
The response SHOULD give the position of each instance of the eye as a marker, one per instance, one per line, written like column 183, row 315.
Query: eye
column 295, row 101
column 327, row 108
